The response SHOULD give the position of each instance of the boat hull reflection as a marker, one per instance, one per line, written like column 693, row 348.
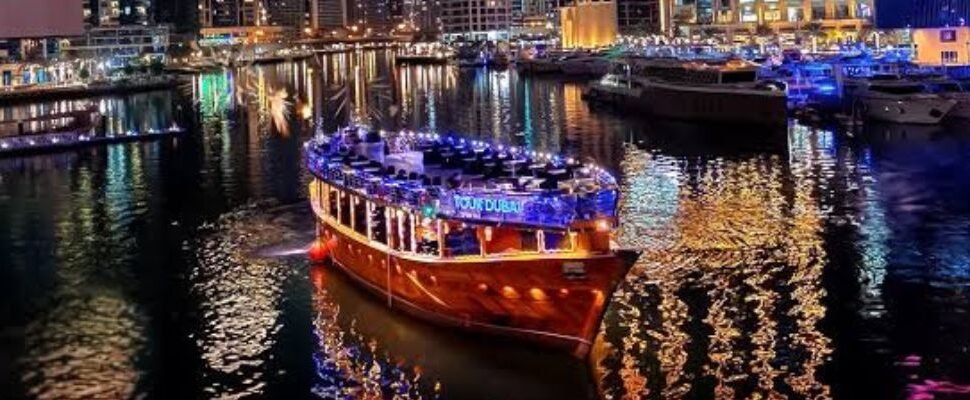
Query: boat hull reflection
column 529, row 298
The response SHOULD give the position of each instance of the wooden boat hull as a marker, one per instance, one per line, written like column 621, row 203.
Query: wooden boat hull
column 530, row 298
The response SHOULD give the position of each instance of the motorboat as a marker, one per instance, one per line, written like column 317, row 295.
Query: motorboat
column 591, row 65
column 898, row 101
column 953, row 90
column 715, row 92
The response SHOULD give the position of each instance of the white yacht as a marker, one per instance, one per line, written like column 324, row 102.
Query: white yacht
column 899, row 101
column 954, row 90
column 614, row 88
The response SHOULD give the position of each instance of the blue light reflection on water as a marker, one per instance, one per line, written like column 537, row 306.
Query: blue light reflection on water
column 833, row 267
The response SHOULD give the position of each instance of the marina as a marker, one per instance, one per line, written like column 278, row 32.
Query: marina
column 819, row 225
column 589, row 200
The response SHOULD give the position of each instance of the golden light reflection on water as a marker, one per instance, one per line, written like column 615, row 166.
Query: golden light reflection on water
column 725, row 301
column 239, row 301
column 90, row 344
column 350, row 365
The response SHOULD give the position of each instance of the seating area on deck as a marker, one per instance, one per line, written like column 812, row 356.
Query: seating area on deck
column 463, row 164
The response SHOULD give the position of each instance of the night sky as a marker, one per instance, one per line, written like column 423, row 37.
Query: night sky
column 921, row 13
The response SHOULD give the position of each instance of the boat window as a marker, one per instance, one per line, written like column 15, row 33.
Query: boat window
column 344, row 210
column 360, row 215
column 897, row 89
column 557, row 241
column 946, row 87
column 461, row 240
column 505, row 240
column 739, row 76
column 332, row 196
column 378, row 223
column 426, row 234
column 320, row 194
column 400, row 230
column 405, row 231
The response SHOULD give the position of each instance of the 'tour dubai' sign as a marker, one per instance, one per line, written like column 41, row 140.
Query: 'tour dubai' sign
column 532, row 209
column 487, row 204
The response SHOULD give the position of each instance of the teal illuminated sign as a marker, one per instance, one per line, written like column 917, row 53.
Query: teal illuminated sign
column 486, row 204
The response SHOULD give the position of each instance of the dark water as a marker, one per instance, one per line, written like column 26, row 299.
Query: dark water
column 816, row 265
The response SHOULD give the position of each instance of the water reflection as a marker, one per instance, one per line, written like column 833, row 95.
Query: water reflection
column 87, row 334
column 817, row 265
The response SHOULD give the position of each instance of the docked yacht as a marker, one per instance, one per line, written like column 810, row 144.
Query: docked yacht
column 614, row 88
column 592, row 65
column 953, row 90
column 898, row 101
column 538, row 65
column 717, row 92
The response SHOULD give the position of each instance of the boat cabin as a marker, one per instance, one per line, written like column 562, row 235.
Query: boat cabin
column 422, row 195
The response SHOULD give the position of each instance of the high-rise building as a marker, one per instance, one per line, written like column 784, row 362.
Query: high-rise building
column 134, row 12
column 588, row 24
column 638, row 16
column 422, row 14
column 107, row 13
column 287, row 13
column 328, row 14
column 370, row 14
column 476, row 19
column 225, row 13
column 779, row 15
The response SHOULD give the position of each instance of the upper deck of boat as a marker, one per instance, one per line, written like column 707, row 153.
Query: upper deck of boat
column 467, row 178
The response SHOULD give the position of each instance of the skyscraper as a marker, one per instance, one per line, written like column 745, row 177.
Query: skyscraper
column 116, row 12
column 288, row 13
column 225, row 13
column 372, row 14
column 422, row 14
column 328, row 14
column 638, row 16
column 476, row 19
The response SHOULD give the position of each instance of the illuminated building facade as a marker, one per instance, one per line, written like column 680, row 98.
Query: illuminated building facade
column 778, row 15
column 476, row 19
column 422, row 15
column 226, row 13
column 288, row 13
column 638, row 16
column 117, row 44
column 116, row 12
column 942, row 46
column 588, row 24
column 370, row 14
column 328, row 14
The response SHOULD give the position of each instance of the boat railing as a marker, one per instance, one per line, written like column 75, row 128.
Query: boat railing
column 551, row 207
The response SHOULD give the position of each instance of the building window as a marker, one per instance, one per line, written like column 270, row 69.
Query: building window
column 948, row 36
column 949, row 57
